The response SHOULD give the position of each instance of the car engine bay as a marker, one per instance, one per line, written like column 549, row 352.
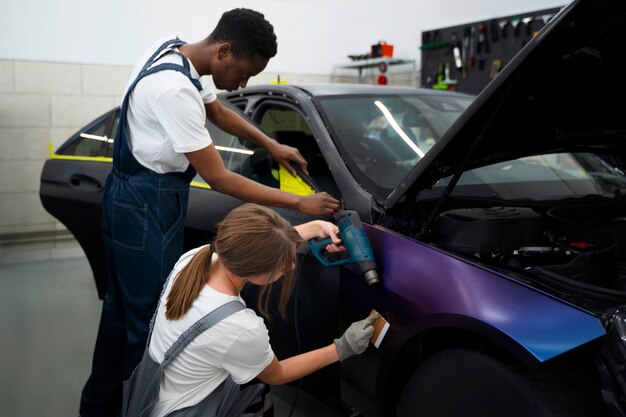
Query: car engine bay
column 580, row 243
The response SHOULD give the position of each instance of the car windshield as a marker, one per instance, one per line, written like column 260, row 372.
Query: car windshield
column 382, row 137
column 542, row 177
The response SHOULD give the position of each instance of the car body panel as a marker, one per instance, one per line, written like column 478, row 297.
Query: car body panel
column 424, row 289
column 439, row 283
column 71, row 189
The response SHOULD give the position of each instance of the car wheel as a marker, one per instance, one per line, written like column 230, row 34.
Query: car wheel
column 463, row 382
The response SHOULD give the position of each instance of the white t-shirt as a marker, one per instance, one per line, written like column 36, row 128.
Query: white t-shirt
column 237, row 346
column 166, row 114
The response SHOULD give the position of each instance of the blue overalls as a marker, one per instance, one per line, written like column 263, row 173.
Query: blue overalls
column 141, row 391
column 142, row 230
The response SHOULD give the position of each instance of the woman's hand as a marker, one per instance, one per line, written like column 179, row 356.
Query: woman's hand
column 321, row 229
column 331, row 230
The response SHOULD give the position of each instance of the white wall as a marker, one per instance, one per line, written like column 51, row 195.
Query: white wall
column 313, row 35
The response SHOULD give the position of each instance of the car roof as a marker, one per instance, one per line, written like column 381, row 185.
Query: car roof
column 330, row 89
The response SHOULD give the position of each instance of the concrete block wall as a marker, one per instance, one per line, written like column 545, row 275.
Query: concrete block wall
column 43, row 102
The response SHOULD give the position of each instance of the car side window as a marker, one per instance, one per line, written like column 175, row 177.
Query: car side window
column 289, row 127
column 95, row 140
column 276, row 118
column 242, row 157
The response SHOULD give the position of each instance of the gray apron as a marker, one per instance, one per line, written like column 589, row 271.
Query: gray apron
column 229, row 399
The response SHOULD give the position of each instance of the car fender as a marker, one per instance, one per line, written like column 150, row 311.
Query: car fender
column 439, row 283
column 424, row 288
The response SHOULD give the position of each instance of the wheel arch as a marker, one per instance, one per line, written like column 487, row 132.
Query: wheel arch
column 448, row 333
column 424, row 344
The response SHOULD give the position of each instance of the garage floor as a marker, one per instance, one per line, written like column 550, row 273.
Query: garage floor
column 50, row 312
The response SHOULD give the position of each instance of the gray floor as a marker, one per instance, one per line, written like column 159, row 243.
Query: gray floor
column 50, row 312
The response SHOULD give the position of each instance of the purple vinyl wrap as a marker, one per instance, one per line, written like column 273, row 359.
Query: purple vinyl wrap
column 438, row 283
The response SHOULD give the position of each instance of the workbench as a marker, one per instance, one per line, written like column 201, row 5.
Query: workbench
column 362, row 64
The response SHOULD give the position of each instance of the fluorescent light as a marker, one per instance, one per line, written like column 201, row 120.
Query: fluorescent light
column 398, row 129
column 95, row 137
column 235, row 150
column 220, row 148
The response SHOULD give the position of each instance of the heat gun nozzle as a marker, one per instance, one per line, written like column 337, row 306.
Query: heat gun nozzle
column 371, row 277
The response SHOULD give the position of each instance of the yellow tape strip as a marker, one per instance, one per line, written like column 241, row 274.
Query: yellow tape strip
column 82, row 158
column 287, row 182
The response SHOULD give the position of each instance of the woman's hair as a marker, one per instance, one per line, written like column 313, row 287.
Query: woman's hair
column 251, row 240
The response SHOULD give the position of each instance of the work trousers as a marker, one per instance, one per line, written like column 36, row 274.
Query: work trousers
column 143, row 221
column 143, row 216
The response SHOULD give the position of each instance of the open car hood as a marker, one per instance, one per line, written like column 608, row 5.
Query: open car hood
column 562, row 92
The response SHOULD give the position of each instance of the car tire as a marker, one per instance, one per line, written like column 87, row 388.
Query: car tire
column 463, row 382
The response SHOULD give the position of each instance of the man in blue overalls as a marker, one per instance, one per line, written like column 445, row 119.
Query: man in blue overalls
column 160, row 143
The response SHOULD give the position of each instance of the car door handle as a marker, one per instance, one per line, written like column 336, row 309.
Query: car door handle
column 85, row 183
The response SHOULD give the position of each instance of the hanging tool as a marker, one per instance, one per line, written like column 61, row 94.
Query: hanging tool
column 447, row 80
column 503, row 24
column 494, row 30
column 438, row 84
column 444, row 82
column 472, row 48
column 515, row 21
column 456, row 51
column 434, row 46
column 527, row 21
column 482, row 45
column 482, row 41
column 496, row 67
column 435, row 43
column 466, row 47
column 354, row 239
column 545, row 18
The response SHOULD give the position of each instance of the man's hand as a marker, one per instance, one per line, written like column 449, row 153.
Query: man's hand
column 284, row 155
column 317, row 204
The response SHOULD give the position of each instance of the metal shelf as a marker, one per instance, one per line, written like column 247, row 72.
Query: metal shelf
column 375, row 62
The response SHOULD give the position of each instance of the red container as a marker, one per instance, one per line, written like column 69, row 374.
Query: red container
column 382, row 49
column 386, row 50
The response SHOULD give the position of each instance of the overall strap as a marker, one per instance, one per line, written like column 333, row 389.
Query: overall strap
column 120, row 134
column 172, row 43
column 200, row 326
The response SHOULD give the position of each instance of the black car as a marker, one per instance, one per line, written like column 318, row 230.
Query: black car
column 498, row 225
column 73, row 178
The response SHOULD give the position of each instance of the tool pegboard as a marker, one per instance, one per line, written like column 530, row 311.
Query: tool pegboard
column 467, row 57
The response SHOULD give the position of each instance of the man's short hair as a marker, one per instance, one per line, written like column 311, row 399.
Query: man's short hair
column 247, row 31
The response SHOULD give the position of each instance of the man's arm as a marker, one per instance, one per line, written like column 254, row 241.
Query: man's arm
column 209, row 164
column 233, row 123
